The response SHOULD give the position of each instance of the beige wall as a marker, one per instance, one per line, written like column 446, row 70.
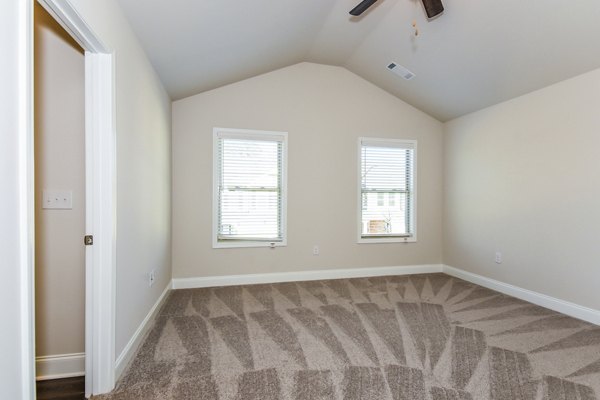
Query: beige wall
column 143, row 127
column 523, row 177
column 59, row 164
column 325, row 109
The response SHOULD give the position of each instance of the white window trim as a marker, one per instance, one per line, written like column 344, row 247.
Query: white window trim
column 248, row 133
column 413, row 216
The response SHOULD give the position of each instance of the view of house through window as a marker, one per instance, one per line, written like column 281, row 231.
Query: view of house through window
column 249, row 187
column 387, row 170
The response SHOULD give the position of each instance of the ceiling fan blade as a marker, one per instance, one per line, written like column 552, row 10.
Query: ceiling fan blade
column 362, row 7
column 433, row 7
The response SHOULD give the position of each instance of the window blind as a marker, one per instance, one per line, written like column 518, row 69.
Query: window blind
column 249, row 171
column 387, row 188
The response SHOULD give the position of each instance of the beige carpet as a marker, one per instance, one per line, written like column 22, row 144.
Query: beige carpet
column 423, row 337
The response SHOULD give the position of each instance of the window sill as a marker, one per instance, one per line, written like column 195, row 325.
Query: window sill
column 246, row 244
column 375, row 240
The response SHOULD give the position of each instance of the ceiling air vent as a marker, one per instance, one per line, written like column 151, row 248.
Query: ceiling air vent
column 401, row 71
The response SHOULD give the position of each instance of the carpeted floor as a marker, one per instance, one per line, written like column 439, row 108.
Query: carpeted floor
column 423, row 337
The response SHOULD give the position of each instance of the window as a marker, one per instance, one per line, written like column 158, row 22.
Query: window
column 387, row 171
column 249, row 188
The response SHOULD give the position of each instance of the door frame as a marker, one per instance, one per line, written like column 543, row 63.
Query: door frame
column 100, row 202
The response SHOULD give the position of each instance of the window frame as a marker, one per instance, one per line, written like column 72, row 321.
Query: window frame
column 249, row 134
column 413, row 216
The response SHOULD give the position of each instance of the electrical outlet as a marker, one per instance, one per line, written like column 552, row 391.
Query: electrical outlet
column 151, row 278
column 498, row 258
column 315, row 250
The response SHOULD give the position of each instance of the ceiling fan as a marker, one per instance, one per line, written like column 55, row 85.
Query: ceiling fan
column 432, row 7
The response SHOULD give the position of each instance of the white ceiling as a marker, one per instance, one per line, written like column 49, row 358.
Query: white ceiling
column 476, row 54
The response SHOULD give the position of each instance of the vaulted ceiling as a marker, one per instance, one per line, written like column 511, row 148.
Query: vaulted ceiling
column 476, row 54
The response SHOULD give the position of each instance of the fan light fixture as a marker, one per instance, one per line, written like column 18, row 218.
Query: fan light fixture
column 433, row 8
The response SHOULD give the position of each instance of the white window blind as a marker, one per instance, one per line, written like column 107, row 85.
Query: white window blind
column 249, row 188
column 387, row 196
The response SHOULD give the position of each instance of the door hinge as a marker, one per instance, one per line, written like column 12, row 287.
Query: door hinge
column 88, row 240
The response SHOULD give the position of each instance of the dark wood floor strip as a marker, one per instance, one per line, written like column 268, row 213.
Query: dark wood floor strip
column 61, row 389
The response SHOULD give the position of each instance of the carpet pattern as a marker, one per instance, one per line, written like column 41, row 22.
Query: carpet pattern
column 419, row 337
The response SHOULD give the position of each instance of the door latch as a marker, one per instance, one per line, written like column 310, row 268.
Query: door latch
column 88, row 240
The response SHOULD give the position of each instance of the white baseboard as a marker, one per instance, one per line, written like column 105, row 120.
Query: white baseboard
column 298, row 276
column 60, row 366
column 130, row 349
column 562, row 306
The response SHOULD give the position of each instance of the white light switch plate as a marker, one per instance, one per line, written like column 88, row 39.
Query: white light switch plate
column 57, row 199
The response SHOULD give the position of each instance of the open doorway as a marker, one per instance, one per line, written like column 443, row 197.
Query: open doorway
column 18, row 233
column 59, row 152
column 97, row 201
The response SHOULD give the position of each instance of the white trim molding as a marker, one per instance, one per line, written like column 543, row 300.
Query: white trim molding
column 561, row 306
column 60, row 366
column 100, row 222
column 64, row 13
column 23, row 124
column 132, row 346
column 299, row 276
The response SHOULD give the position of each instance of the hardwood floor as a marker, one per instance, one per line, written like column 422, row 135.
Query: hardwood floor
column 62, row 389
